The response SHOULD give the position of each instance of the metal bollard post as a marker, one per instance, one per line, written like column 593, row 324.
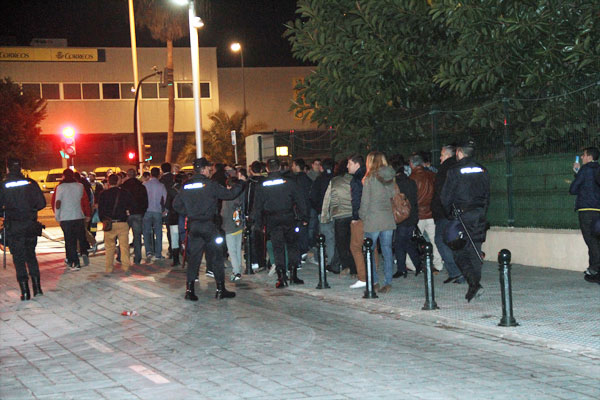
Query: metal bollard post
column 368, row 251
column 247, row 249
column 430, row 303
column 506, row 288
column 322, row 271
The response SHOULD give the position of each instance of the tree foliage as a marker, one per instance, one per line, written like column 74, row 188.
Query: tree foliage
column 379, row 63
column 20, row 117
column 216, row 141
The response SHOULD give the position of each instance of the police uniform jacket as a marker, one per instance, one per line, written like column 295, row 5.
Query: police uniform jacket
column 199, row 198
column 277, row 198
column 467, row 186
column 21, row 198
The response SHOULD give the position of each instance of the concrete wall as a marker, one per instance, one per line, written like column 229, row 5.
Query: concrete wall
column 552, row 248
column 269, row 92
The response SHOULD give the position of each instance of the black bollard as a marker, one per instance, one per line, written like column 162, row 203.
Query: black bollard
column 506, row 288
column 247, row 249
column 427, row 251
column 322, row 270
column 368, row 252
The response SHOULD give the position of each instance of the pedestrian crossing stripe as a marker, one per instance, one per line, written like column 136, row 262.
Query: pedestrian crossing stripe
column 197, row 185
column 13, row 184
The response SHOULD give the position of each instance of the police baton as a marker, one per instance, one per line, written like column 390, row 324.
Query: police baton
column 457, row 213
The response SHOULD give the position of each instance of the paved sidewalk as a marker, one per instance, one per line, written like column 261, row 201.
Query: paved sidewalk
column 72, row 343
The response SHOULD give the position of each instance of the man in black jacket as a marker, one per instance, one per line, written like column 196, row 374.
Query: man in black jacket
column 116, row 204
column 168, row 179
column 317, row 193
column 257, row 241
column 20, row 199
column 304, row 183
column 403, row 243
column 140, row 204
column 447, row 159
column 356, row 167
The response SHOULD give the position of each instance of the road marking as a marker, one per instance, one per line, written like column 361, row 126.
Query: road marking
column 99, row 346
column 149, row 374
column 136, row 289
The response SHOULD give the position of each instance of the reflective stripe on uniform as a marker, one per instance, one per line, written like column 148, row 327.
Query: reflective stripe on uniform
column 471, row 170
column 13, row 184
column 274, row 182
column 197, row 185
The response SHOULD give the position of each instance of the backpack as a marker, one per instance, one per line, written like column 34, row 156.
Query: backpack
column 400, row 205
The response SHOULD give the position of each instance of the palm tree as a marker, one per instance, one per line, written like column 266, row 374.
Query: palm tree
column 166, row 23
column 217, row 139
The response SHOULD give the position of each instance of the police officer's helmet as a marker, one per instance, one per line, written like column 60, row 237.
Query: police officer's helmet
column 596, row 227
column 455, row 236
column 13, row 165
column 201, row 163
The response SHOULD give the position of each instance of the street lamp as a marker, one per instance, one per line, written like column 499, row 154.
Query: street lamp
column 235, row 47
column 195, row 23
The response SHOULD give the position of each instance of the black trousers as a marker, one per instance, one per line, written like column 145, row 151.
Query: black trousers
column 283, row 234
column 22, row 239
column 204, row 237
column 586, row 218
column 257, row 247
column 468, row 262
column 73, row 231
column 342, row 243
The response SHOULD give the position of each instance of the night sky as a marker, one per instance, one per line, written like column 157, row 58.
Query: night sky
column 105, row 23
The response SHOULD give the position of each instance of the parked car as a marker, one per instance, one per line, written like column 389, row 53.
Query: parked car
column 101, row 172
column 40, row 177
column 53, row 179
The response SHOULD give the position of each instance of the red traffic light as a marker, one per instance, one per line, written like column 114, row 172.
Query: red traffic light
column 131, row 156
column 68, row 132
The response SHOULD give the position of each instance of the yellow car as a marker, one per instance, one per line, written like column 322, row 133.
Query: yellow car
column 101, row 172
column 40, row 177
column 53, row 179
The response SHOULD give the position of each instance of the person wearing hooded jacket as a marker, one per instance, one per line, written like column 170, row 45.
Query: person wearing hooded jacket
column 376, row 213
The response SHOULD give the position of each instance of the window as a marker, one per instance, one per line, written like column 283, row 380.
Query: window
column 31, row 88
column 149, row 91
column 127, row 91
column 185, row 91
column 110, row 91
column 71, row 91
column 204, row 90
column 50, row 91
column 90, row 90
column 163, row 92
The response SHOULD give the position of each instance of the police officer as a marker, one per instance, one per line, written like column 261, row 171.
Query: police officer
column 279, row 201
column 467, row 192
column 198, row 200
column 21, row 199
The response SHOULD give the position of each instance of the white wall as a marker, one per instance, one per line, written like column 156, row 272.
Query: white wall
column 552, row 248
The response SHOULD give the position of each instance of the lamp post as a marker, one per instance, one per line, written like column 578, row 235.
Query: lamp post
column 195, row 23
column 138, row 127
column 235, row 47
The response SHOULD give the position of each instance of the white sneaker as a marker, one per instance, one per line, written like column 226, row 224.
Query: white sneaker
column 255, row 267
column 210, row 274
column 272, row 270
column 358, row 285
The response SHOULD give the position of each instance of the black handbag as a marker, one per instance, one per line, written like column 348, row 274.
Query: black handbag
column 107, row 221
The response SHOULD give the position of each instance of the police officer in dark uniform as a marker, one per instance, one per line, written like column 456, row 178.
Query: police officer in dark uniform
column 198, row 200
column 467, row 192
column 21, row 198
column 279, row 202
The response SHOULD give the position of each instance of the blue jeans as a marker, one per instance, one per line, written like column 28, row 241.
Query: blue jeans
column 313, row 228
column 403, row 245
column 153, row 244
column 445, row 251
column 385, row 240
column 328, row 230
column 135, row 223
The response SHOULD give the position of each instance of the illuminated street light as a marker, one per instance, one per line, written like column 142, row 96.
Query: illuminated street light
column 237, row 47
column 195, row 23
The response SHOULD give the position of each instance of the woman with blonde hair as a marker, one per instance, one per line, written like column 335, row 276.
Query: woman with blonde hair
column 376, row 212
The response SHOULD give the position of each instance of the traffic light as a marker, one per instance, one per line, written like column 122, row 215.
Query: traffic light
column 131, row 156
column 166, row 78
column 147, row 152
column 68, row 142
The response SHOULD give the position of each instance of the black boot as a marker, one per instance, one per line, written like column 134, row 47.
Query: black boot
column 24, row 285
column 190, row 292
column 175, row 257
column 281, row 279
column 295, row 279
column 222, row 292
column 37, row 287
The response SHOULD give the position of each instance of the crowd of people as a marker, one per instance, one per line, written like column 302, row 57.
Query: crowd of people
column 284, row 208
